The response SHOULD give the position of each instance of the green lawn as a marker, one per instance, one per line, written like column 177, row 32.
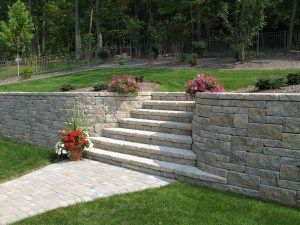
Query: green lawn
column 18, row 159
column 176, row 204
column 170, row 79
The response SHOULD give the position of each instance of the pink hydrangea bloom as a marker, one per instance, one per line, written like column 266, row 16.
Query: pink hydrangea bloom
column 203, row 83
column 124, row 84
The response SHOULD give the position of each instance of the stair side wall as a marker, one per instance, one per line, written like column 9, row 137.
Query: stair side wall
column 252, row 140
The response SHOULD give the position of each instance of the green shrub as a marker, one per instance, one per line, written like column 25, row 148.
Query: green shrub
column 27, row 73
column 121, row 61
column 154, row 52
column 293, row 79
column 199, row 48
column 67, row 87
column 100, row 86
column 139, row 79
column 268, row 83
column 192, row 59
column 104, row 54
column 184, row 57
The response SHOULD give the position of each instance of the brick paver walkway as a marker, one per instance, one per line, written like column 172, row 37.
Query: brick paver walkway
column 63, row 184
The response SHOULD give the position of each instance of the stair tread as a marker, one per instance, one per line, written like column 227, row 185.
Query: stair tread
column 155, row 149
column 164, row 112
column 179, row 103
column 150, row 134
column 167, row 124
column 178, row 169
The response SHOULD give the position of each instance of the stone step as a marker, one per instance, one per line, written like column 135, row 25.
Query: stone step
column 169, row 154
column 156, row 126
column 149, row 137
column 164, row 115
column 170, row 96
column 170, row 105
column 156, row 167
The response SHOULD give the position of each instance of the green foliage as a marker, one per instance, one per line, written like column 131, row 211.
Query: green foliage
column 104, row 54
column 121, row 61
column 100, row 86
column 154, row 52
column 192, row 59
column 268, row 83
column 243, row 19
column 184, row 57
column 293, row 79
column 27, row 73
column 88, row 43
column 199, row 48
column 17, row 33
column 67, row 87
column 138, row 25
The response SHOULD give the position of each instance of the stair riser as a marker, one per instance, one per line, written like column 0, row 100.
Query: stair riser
column 162, row 118
column 145, row 154
column 156, row 129
column 153, row 171
column 145, row 140
column 170, row 107
column 132, row 167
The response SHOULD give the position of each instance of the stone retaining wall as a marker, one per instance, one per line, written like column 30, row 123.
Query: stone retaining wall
column 35, row 118
column 253, row 140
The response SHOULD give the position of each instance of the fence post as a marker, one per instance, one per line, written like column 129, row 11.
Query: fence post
column 284, row 39
column 257, row 43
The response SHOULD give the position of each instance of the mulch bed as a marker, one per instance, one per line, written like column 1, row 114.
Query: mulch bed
column 287, row 89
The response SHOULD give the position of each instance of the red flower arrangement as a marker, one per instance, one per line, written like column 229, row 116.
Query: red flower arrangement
column 203, row 83
column 74, row 142
column 124, row 84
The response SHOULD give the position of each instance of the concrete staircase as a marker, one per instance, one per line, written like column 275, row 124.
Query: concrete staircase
column 156, row 140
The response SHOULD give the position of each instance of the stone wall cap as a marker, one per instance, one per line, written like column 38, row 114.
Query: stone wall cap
column 251, row 96
column 70, row 94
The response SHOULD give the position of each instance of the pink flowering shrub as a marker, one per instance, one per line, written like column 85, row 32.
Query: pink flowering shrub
column 203, row 83
column 124, row 84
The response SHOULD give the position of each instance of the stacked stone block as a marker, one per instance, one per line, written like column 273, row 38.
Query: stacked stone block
column 35, row 118
column 252, row 140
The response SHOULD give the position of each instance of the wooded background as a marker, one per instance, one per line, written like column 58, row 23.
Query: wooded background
column 141, row 27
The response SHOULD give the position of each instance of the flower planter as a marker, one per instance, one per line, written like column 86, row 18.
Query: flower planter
column 76, row 155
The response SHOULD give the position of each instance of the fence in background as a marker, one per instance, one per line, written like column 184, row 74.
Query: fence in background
column 216, row 46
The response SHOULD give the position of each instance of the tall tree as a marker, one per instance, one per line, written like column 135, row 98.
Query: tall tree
column 98, row 26
column 17, row 33
column 77, row 31
column 243, row 19
column 291, row 26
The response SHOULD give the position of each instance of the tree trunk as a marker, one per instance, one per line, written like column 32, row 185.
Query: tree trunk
column 98, row 26
column 291, row 26
column 43, row 34
column 77, row 31
column 31, row 45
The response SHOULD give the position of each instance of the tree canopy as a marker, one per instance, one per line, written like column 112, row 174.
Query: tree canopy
column 142, row 24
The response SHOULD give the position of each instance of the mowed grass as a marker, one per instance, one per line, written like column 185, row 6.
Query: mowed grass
column 178, row 203
column 19, row 159
column 170, row 79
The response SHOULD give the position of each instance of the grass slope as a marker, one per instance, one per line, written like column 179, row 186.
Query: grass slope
column 170, row 79
column 178, row 203
column 18, row 159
